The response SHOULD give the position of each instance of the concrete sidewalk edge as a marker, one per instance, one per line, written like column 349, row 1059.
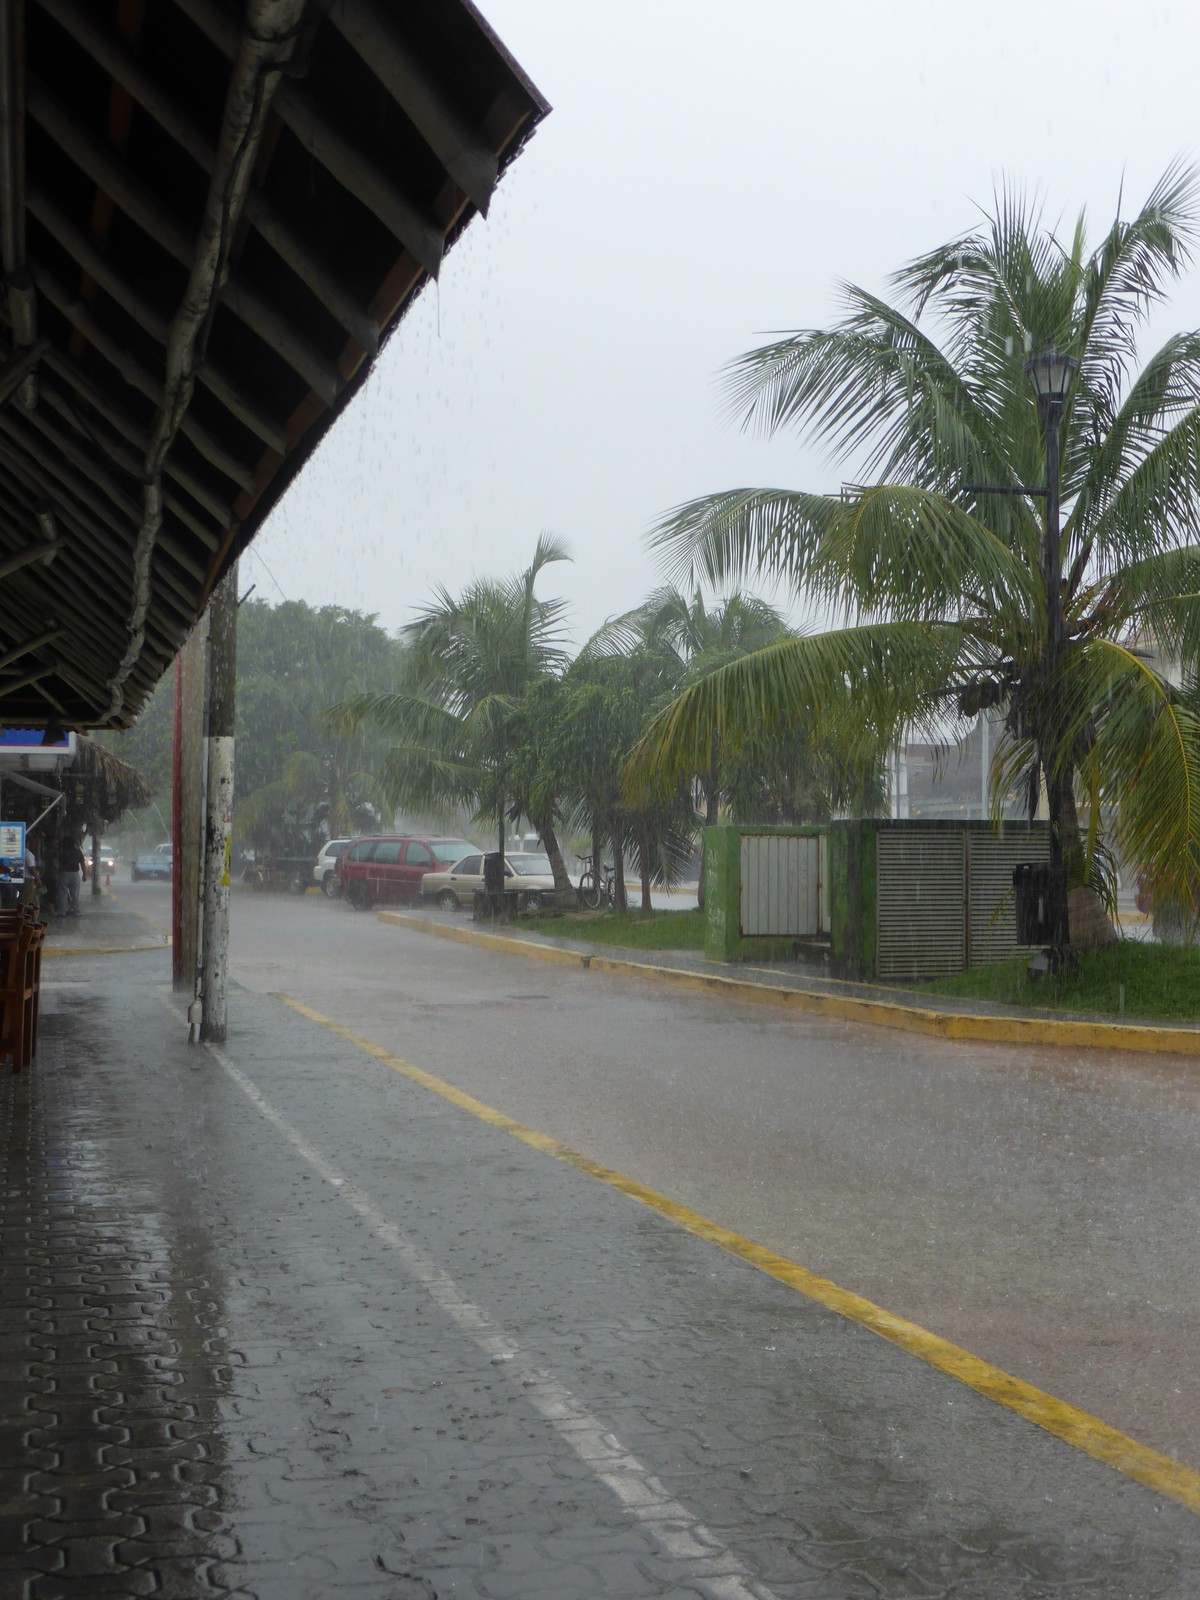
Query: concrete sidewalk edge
column 966, row 1025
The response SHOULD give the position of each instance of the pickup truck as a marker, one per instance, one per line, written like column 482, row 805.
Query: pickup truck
column 154, row 863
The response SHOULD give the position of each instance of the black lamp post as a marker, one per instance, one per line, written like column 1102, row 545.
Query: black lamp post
column 1051, row 374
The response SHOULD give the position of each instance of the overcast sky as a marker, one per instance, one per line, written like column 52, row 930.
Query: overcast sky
column 708, row 174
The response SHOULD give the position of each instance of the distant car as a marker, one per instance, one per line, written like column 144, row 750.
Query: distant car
column 108, row 858
column 153, row 864
column 529, row 874
column 390, row 866
column 325, row 867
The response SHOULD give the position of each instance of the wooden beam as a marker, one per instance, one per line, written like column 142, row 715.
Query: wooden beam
column 352, row 167
column 18, row 367
column 130, row 461
column 138, row 203
column 106, row 537
column 72, row 604
column 246, row 411
column 47, row 636
column 39, row 550
column 84, row 249
column 109, row 53
column 265, row 46
column 12, row 137
column 368, row 30
column 213, row 451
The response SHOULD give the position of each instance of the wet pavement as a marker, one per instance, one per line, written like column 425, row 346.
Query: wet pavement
column 279, row 1322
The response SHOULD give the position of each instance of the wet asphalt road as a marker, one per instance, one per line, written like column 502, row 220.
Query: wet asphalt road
column 1040, row 1208
column 296, row 1327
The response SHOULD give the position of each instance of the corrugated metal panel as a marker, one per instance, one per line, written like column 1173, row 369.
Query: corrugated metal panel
column 920, row 906
column 993, row 919
column 780, row 885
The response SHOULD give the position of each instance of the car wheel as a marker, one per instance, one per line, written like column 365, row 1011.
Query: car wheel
column 359, row 896
column 298, row 882
column 531, row 900
column 331, row 885
column 448, row 900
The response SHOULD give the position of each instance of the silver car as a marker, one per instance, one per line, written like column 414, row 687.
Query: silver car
column 530, row 875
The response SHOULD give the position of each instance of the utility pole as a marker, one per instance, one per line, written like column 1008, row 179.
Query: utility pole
column 218, row 821
column 1051, row 373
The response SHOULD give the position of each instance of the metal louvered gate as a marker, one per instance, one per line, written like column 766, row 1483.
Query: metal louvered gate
column 920, row 903
column 943, row 897
column 992, row 928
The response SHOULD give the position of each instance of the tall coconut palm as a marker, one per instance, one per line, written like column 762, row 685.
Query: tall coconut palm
column 693, row 639
column 456, row 716
column 945, row 599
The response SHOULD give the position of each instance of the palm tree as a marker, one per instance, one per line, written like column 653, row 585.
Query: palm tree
column 585, row 728
column 944, row 599
column 693, row 639
column 456, row 718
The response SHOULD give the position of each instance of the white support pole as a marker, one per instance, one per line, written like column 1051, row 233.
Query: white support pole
column 218, row 823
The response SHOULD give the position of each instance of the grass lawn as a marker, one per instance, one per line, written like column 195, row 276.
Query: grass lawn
column 633, row 930
column 1159, row 981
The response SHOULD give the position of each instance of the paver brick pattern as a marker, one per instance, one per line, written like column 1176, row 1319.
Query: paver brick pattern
column 218, row 1378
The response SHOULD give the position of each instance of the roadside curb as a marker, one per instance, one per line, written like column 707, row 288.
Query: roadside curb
column 972, row 1026
column 103, row 949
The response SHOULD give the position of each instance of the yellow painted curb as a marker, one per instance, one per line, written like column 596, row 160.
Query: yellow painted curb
column 972, row 1026
column 106, row 949
column 1077, row 1428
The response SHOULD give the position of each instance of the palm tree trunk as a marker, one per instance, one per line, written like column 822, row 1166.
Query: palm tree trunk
column 620, row 899
column 549, row 838
column 712, row 810
column 644, row 865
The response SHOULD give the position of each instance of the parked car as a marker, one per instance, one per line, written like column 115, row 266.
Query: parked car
column 154, row 863
column 390, row 866
column 325, row 867
column 528, row 873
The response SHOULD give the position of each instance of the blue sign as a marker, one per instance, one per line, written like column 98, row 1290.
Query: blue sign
column 12, row 852
column 31, row 739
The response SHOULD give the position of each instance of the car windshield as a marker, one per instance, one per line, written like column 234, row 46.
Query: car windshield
column 531, row 866
column 447, row 851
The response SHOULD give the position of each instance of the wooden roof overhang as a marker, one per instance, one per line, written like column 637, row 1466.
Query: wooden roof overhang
column 212, row 215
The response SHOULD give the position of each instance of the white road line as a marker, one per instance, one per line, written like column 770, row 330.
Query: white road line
column 681, row 1534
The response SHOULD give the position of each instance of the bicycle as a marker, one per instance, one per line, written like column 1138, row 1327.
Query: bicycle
column 592, row 891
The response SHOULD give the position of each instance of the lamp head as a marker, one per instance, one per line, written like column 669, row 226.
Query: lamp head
column 1051, row 374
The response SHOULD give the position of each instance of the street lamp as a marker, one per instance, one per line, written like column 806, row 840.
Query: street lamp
column 1051, row 373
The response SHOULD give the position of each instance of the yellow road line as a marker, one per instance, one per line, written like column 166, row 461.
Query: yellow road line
column 974, row 1026
column 1067, row 1422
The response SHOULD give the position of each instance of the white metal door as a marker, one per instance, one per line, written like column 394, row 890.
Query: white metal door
column 782, row 877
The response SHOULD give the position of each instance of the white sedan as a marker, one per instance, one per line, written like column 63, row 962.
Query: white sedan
column 530, row 876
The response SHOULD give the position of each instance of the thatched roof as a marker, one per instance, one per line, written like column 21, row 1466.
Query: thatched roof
column 102, row 785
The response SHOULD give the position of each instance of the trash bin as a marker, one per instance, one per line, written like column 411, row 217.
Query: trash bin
column 493, row 873
column 1041, row 913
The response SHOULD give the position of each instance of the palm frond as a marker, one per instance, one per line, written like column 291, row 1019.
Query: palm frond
column 859, row 687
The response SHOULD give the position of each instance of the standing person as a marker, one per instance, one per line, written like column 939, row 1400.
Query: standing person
column 70, row 876
column 31, row 889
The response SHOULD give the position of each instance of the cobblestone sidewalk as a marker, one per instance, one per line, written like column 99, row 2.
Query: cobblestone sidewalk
column 278, row 1323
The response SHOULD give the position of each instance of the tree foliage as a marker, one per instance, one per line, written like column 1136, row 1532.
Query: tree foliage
column 456, row 721
column 937, row 589
column 297, row 781
column 585, row 729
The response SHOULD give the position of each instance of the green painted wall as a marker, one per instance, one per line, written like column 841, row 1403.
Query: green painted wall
column 852, row 885
column 722, row 867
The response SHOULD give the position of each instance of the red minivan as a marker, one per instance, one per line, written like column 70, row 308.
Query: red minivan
column 390, row 866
